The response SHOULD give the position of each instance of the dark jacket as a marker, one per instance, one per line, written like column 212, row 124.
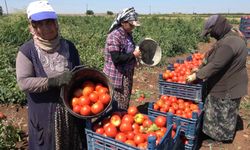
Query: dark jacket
column 225, row 70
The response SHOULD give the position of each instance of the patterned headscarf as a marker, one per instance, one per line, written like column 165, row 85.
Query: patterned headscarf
column 127, row 14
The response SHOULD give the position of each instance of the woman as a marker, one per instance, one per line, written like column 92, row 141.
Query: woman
column 226, row 76
column 42, row 67
column 120, row 56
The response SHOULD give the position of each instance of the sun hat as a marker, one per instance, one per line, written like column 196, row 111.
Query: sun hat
column 209, row 24
column 40, row 10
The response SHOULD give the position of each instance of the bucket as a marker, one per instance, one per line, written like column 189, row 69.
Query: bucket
column 150, row 51
column 80, row 75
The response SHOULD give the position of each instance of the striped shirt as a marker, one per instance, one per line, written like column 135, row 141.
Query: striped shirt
column 120, row 41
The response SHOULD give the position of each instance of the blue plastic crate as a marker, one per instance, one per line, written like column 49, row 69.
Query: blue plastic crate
column 188, row 125
column 191, row 92
column 245, row 21
column 97, row 141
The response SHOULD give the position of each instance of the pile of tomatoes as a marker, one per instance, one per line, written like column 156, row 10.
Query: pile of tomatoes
column 90, row 99
column 181, row 71
column 177, row 106
column 132, row 127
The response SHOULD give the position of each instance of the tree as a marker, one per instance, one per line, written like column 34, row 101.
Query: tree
column 1, row 11
column 110, row 13
column 90, row 12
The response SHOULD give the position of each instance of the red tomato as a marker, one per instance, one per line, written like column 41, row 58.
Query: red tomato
column 132, row 110
column 135, row 126
column 172, row 110
column 125, row 127
column 110, row 130
column 102, row 90
column 147, row 123
column 93, row 97
column 105, row 98
column 74, row 101
column 160, row 121
column 97, row 108
column 175, row 106
column 128, row 118
column 99, row 130
column 156, row 107
column 130, row 135
column 139, row 138
column 98, row 86
column 87, row 90
column 84, row 100
column 121, row 137
column 85, row 110
column 76, row 109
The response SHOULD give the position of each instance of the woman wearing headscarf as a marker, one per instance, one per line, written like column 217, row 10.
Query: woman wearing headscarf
column 120, row 56
column 43, row 65
column 226, row 76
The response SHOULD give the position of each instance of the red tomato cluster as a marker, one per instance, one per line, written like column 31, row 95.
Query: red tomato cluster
column 132, row 127
column 177, row 106
column 181, row 71
column 90, row 99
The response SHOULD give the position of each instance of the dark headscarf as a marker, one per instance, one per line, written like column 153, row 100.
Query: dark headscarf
column 127, row 14
column 217, row 26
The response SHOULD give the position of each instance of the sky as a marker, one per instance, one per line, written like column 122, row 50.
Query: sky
column 141, row 6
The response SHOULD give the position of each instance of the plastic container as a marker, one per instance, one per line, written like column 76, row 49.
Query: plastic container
column 80, row 75
column 193, row 92
column 188, row 126
column 97, row 141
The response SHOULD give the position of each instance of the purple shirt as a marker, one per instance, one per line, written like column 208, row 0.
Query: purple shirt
column 120, row 41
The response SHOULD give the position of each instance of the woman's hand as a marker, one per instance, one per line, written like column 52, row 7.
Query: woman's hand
column 137, row 52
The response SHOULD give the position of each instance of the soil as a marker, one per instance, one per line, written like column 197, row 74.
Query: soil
column 146, row 81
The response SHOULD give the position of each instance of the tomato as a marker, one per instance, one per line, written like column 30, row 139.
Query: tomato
column 104, row 98
column 130, row 135
column 85, row 110
column 99, row 130
column 173, row 133
column 84, row 100
column 160, row 121
column 135, row 126
column 97, row 108
column 77, row 93
column 102, row 90
column 93, row 97
column 121, row 137
column 128, row 118
column 142, row 145
column 87, row 90
column 74, row 101
column 181, row 106
column 172, row 110
column 110, row 130
column 173, row 99
column 98, row 86
column 125, row 127
column 175, row 106
column 156, row 107
column 115, row 120
column 76, row 109
column 164, row 97
column 132, row 110
column 147, row 123
column 159, row 133
column 139, row 138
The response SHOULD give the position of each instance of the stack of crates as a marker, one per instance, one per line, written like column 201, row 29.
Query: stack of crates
column 97, row 141
column 245, row 26
column 190, row 127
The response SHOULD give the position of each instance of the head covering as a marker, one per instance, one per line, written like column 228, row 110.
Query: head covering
column 209, row 24
column 127, row 14
column 40, row 10
column 217, row 26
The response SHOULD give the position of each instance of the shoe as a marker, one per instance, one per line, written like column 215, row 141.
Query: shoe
column 210, row 142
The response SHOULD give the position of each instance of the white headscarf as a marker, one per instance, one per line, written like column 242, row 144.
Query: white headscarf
column 127, row 14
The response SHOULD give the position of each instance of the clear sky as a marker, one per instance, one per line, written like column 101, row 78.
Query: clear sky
column 141, row 6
